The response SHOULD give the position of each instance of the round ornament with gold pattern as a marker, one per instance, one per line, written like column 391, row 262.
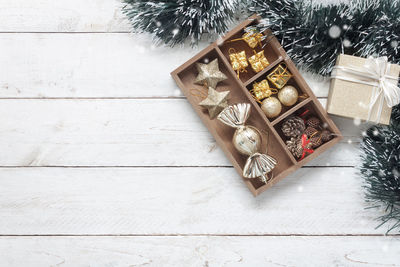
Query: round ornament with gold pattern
column 288, row 95
column 271, row 106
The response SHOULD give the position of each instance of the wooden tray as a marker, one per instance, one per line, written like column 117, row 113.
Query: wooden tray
column 239, row 92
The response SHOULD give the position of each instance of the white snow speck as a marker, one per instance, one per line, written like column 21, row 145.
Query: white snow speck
column 357, row 121
column 300, row 189
column 394, row 44
column 177, row 92
column 334, row 31
column 175, row 31
column 158, row 24
column 349, row 141
column 346, row 43
column 375, row 132
column 206, row 60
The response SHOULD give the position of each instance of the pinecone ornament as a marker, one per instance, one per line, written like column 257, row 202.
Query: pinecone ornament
column 294, row 146
column 293, row 126
column 310, row 131
column 326, row 135
column 316, row 141
column 313, row 122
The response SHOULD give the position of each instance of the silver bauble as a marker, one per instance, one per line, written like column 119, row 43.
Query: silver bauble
column 271, row 107
column 288, row 95
column 247, row 140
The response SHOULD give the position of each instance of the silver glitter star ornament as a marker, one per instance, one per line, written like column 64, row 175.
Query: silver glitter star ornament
column 215, row 102
column 209, row 74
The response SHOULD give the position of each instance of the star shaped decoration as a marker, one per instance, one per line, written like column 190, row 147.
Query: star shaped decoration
column 209, row 74
column 215, row 102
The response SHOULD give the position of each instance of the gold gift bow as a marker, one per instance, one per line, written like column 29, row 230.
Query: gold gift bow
column 374, row 73
column 268, row 93
column 279, row 75
column 258, row 58
column 232, row 52
column 248, row 35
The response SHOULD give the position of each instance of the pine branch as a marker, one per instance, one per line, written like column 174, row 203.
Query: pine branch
column 173, row 22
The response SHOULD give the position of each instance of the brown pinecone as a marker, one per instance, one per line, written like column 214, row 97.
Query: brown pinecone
column 294, row 146
column 313, row 122
column 293, row 126
column 326, row 135
column 316, row 141
column 310, row 131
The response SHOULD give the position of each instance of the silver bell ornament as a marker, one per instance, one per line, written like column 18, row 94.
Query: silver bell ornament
column 247, row 140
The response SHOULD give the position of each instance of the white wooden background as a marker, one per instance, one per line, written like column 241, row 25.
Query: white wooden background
column 104, row 163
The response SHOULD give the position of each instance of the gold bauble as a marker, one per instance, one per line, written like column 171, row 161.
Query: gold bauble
column 288, row 95
column 271, row 107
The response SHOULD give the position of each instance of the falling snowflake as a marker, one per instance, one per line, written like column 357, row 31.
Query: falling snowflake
column 175, row 31
column 346, row 43
column 357, row 121
column 334, row 31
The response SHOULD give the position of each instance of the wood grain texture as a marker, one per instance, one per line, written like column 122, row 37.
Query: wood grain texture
column 128, row 132
column 94, row 65
column 62, row 16
column 82, row 49
column 164, row 201
column 200, row 251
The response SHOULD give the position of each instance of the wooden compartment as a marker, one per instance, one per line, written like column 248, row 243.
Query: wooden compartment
column 239, row 93
column 307, row 111
column 293, row 82
column 271, row 52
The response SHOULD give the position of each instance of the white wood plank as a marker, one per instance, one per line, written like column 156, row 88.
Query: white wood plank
column 129, row 132
column 200, row 251
column 158, row 201
column 94, row 65
column 62, row 16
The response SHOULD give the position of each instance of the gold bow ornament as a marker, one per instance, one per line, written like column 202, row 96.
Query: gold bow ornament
column 238, row 61
column 262, row 90
column 258, row 62
column 279, row 76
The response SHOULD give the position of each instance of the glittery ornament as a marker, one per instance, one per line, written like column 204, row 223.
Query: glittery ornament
column 209, row 74
column 253, row 38
column 279, row 76
column 238, row 60
column 262, row 90
column 288, row 95
column 271, row 107
column 215, row 102
column 258, row 62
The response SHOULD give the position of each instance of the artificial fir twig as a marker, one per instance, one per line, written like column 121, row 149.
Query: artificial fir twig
column 380, row 169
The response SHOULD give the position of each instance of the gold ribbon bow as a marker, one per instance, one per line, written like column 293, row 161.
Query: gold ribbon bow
column 238, row 61
column 279, row 76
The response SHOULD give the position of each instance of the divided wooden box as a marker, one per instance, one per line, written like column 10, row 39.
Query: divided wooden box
column 239, row 92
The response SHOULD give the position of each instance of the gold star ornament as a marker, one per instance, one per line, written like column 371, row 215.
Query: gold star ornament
column 209, row 74
column 215, row 102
